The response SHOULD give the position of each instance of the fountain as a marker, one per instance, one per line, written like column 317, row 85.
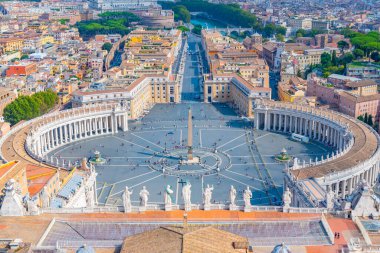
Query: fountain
column 97, row 159
column 283, row 156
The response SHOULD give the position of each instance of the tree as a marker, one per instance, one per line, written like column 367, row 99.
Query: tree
column 358, row 53
column 370, row 120
column 343, row 45
column 366, row 118
column 375, row 56
column 326, row 59
column 181, row 13
column 299, row 73
column 29, row 107
column 24, row 56
column 183, row 28
column 269, row 30
column 347, row 58
column 334, row 59
column 281, row 30
column 361, row 118
column 107, row 46
column 197, row 29
column 280, row 37
column 300, row 33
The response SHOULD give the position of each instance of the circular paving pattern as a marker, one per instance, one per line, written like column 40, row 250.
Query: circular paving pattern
column 174, row 162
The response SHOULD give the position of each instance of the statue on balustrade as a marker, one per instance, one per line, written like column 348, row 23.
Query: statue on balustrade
column 247, row 195
column 232, row 195
column 45, row 199
column 186, row 194
column 127, row 200
column 144, row 197
column 330, row 195
column 287, row 198
column 168, row 195
column 208, row 195
column 90, row 197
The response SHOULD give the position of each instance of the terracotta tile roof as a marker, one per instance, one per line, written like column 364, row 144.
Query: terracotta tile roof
column 179, row 239
column 362, row 83
column 359, row 99
column 38, row 177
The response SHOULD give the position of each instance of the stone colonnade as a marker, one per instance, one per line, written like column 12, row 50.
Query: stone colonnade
column 327, row 130
column 74, row 126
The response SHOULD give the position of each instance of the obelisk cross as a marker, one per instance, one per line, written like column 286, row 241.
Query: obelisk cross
column 190, row 136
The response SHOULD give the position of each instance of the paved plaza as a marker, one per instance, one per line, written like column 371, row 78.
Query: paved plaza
column 246, row 156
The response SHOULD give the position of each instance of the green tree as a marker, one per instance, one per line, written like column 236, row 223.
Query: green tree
column 361, row 118
column 280, row 37
column 358, row 53
column 24, row 56
column 366, row 118
column 326, row 60
column 334, row 59
column 281, row 30
column 370, row 120
column 107, row 46
column 183, row 28
column 29, row 107
column 269, row 30
column 181, row 13
column 300, row 33
column 347, row 58
column 375, row 56
column 197, row 29
column 343, row 45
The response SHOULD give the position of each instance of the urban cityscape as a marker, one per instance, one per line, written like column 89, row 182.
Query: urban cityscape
column 221, row 126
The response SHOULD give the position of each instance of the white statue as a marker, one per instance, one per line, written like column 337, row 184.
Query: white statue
column 45, row 198
column 32, row 207
column 295, row 163
column 90, row 197
column 287, row 198
column 232, row 195
column 12, row 204
column 144, row 197
column 330, row 195
column 167, row 196
column 127, row 200
column 207, row 195
column 247, row 195
column 186, row 193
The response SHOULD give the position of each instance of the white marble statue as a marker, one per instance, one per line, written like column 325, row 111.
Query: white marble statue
column 330, row 195
column 32, row 207
column 287, row 198
column 207, row 195
column 90, row 197
column 168, row 195
column 186, row 193
column 247, row 195
column 232, row 195
column 12, row 204
column 45, row 199
column 144, row 197
column 295, row 163
column 127, row 200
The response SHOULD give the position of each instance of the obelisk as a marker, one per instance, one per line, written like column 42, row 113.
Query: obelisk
column 189, row 136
